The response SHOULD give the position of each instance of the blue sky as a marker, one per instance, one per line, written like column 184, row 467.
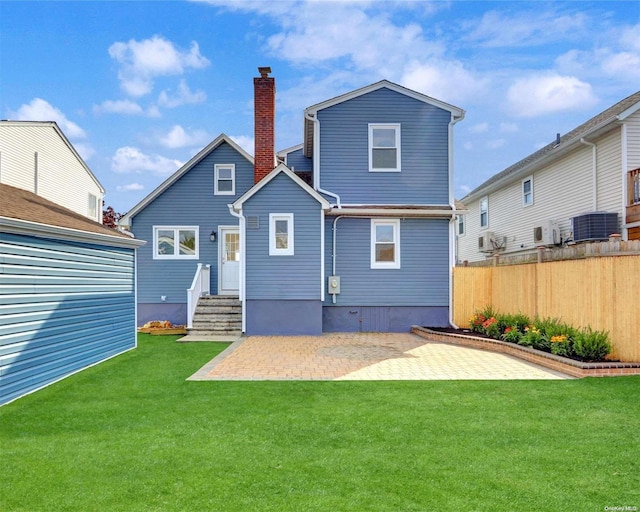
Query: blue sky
column 140, row 87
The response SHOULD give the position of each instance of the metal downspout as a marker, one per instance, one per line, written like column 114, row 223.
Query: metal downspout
column 243, row 259
column 594, row 171
column 452, row 229
column 316, row 159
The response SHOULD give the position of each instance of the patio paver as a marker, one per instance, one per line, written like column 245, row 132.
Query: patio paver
column 363, row 356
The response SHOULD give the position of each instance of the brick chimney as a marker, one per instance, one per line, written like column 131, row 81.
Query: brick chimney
column 264, row 97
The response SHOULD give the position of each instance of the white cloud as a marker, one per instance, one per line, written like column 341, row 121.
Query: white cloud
column 179, row 138
column 183, row 96
column 246, row 143
column 549, row 93
column 480, row 128
column 126, row 107
column 41, row 110
column 130, row 187
column 464, row 189
column 496, row 143
column 85, row 150
column 468, row 146
column 129, row 159
column 508, row 127
column 142, row 61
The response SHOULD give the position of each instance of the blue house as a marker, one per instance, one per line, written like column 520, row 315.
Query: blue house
column 352, row 230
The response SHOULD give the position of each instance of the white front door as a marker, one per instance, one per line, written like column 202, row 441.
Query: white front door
column 229, row 251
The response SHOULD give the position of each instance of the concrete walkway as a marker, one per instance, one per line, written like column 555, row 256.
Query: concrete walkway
column 363, row 356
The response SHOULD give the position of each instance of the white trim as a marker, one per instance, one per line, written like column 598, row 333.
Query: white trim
column 322, row 226
column 176, row 230
column 445, row 213
column 395, row 224
column 273, row 249
column 221, row 248
column 216, row 179
column 625, row 180
column 524, row 195
column 460, row 217
column 398, row 142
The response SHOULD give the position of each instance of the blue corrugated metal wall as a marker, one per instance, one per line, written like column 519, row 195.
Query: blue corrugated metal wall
column 422, row 280
column 424, row 144
column 284, row 277
column 63, row 306
column 189, row 201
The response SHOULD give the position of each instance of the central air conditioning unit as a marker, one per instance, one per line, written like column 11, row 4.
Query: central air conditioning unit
column 594, row 226
column 484, row 241
column 547, row 233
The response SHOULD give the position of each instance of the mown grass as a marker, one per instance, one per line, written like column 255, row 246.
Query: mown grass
column 132, row 435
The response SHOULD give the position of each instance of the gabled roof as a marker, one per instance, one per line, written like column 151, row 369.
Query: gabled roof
column 24, row 212
column 126, row 219
column 595, row 126
column 382, row 84
column 56, row 128
column 281, row 169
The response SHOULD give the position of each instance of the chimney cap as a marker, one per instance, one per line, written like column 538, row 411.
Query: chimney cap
column 264, row 71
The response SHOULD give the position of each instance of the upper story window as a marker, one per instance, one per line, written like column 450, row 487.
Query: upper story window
column 281, row 234
column 484, row 212
column 384, row 148
column 385, row 243
column 461, row 227
column 179, row 242
column 224, row 179
column 92, row 206
column 527, row 191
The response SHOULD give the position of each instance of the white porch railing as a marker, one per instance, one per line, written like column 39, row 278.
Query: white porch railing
column 199, row 287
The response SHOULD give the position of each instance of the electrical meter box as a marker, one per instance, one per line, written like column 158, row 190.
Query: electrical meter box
column 334, row 285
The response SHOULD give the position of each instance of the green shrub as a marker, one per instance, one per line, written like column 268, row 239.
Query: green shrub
column 592, row 345
column 512, row 334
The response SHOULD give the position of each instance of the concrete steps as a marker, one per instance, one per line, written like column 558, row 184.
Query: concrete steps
column 217, row 315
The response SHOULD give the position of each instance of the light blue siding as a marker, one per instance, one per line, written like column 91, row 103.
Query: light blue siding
column 63, row 306
column 344, row 150
column 422, row 279
column 297, row 162
column 284, row 277
column 190, row 201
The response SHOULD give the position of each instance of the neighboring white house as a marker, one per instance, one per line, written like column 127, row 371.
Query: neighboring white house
column 584, row 186
column 36, row 156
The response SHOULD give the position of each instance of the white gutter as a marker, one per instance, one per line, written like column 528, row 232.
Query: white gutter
column 243, row 259
column 316, row 158
column 625, row 181
column 594, row 171
column 395, row 212
column 452, row 226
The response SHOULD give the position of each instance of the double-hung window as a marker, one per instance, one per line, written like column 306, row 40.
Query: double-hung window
column 281, row 234
column 171, row 242
column 224, row 179
column 527, row 191
column 385, row 243
column 484, row 212
column 460, row 225
column 384, row 148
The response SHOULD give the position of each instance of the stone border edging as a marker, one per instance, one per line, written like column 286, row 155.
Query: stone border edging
column 554, row 362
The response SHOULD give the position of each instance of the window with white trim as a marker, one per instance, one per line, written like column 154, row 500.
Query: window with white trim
column 385, row 243
column 527, row 191
column 92, row 206
column 484, row 212
column 461, row 225
column 175, row 242
column 281, row 234
column 224, row 179
column 384, row 148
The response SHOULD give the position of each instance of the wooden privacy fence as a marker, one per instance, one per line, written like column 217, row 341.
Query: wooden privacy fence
column 603, row 293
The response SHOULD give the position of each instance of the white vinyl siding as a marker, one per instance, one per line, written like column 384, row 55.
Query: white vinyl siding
column 384, row 148
column 633, row 141
column 281, row 230
column 61, row 177
column 175, row 242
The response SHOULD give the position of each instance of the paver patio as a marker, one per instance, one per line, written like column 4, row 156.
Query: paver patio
column 363, row 356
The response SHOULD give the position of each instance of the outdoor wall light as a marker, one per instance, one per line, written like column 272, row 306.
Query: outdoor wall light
column 212, row 236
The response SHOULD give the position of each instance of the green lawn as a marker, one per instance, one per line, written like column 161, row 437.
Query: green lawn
column 131, row 434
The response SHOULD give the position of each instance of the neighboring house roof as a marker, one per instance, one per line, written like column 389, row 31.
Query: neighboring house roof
column 595, row 126
column 126, row 219
column 281, row 169
column 312, row 110
column 54, row 126
column 24, row 212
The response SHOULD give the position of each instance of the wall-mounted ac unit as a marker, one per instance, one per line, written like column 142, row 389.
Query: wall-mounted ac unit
column 547, row 233
column 484, row 241
column 594, row 226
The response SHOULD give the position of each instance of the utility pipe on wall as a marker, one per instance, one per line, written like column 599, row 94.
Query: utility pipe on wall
column 316, row 159
column 594, row 171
